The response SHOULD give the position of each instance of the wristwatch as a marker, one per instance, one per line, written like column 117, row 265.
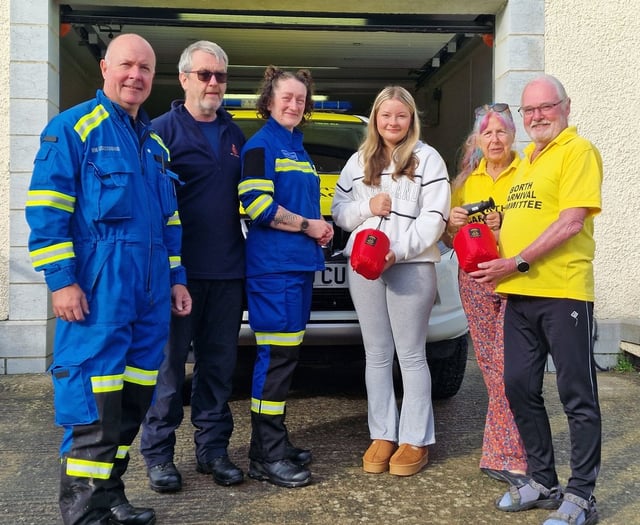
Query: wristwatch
column 521, row 264
column 304, row 225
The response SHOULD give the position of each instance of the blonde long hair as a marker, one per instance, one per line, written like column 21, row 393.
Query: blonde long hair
column 372, row 150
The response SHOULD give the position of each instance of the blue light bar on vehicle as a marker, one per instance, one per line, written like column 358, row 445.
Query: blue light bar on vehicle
column 333, row 105
column 239, row 103
column 327, row 105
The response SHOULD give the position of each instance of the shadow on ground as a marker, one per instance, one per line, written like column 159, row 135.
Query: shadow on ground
column 327, row 412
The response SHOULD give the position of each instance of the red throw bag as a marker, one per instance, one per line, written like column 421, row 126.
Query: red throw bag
column 369, row 250
column 474, row 243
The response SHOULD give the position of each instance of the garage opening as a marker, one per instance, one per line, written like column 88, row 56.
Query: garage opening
column 444, row 60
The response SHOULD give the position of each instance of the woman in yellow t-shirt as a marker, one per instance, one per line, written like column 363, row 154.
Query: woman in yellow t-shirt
column 487, row 166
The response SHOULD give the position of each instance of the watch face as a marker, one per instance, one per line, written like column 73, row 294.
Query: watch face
column 523, row 266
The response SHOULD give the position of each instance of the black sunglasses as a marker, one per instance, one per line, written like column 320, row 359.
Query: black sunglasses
column 205, row 75
column 498, row 107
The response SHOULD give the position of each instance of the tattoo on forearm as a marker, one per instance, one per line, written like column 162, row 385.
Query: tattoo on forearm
column 285, row 218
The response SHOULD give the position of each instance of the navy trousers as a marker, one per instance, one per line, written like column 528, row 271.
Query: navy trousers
column 212, row 329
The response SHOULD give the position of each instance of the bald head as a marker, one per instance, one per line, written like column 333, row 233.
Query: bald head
column 127, row 69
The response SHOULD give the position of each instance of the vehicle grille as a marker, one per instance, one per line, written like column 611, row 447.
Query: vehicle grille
column 331, row 299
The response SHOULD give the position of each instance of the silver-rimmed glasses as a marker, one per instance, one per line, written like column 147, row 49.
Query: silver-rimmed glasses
column 545, row 109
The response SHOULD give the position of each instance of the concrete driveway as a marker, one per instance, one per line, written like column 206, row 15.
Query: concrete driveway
column 327, row 412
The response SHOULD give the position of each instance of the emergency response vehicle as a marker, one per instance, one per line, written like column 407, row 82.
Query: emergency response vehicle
column 330, row 138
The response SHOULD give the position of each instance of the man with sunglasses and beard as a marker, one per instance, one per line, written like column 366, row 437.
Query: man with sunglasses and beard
column 204, row 147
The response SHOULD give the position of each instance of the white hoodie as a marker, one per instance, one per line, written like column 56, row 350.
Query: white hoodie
column 419, row 208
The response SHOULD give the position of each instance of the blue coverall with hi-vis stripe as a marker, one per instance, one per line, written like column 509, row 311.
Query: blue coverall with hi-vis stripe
column 103, row 215
column 276, row 170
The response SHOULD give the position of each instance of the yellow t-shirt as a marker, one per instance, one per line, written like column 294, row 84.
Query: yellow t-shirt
column 479, row 186
column 566, row 174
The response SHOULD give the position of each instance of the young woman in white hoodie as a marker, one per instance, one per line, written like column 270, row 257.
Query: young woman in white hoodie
column 400, row 184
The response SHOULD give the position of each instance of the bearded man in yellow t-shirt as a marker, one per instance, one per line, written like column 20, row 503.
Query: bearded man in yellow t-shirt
column 546, row 272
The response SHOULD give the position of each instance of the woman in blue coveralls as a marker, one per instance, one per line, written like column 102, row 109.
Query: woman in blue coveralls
column 280, row 191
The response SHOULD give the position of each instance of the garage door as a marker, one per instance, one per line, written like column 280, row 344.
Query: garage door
column 351, row 55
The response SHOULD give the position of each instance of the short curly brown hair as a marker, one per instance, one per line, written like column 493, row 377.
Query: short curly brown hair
column 272, row 76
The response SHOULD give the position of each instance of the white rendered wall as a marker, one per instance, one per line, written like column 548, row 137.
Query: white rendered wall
column 593, row 47
column 4, row 166
column 33, row 87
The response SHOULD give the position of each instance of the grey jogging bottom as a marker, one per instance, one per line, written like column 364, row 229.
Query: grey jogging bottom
column 394, row 314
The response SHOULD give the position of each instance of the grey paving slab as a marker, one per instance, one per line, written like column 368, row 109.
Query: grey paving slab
column 327, row 412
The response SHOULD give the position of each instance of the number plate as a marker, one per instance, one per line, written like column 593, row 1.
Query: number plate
column 334, row 276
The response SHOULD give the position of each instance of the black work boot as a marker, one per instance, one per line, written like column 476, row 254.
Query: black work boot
column 283, row 473
column 127, row 514
column 122, row 512
column 222, row 469
column 299, row 456
column 164, row 477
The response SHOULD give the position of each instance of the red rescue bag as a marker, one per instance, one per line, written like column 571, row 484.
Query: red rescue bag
column 474, row 243
column 369, row 250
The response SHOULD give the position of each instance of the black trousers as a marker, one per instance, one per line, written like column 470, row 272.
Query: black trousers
column 86, row 500
column 213, row 327
column 269, row 434
column 535, row 328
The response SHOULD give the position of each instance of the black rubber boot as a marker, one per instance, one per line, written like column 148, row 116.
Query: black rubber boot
column 81, row 502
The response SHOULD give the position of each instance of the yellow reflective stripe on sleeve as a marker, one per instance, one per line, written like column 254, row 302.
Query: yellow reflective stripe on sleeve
column 140, row 376
column 280, row 338
column 270, row 408
column 294, row 165
column 111, row 383
column 175, row 261
column 258, row 206
column 122, row 451
column 157, row 138
column 89, row 122
column 174, row 220
column 262, row 185
column 53, row 253
column 53, row 199
column 83, row 468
